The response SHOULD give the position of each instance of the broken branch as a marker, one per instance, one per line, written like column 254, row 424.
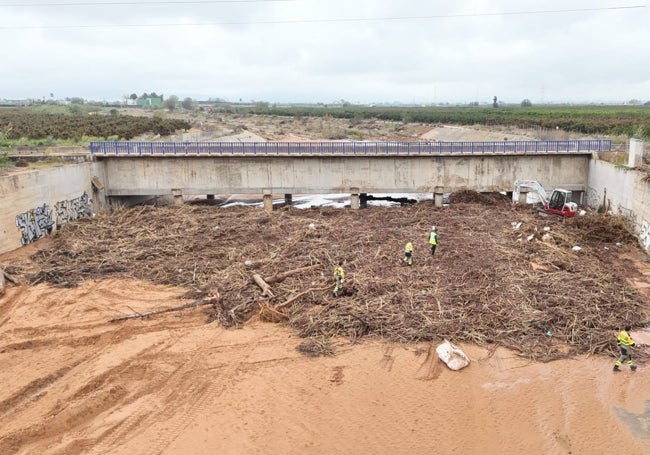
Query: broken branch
column 278, row 277
column 206, row 301
column 10, row 278
column 297, row 296
column 266, row 289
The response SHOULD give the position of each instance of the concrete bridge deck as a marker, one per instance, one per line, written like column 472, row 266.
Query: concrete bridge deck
column 194, row 168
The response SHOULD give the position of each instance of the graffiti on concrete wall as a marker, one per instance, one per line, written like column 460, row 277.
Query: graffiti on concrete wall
column 73, row 209
column 38, row 222
column 645, row 234
column 34, row 223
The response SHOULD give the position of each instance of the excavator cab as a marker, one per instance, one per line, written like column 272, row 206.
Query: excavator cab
column 557, row 200
column 560, row 203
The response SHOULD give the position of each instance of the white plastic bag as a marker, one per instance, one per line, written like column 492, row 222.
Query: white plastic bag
column 452, row 355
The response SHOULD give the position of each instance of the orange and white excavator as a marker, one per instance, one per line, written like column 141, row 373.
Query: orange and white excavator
column 559, row 203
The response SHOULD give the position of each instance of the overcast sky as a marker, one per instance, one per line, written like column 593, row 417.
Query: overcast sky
column 361, row 51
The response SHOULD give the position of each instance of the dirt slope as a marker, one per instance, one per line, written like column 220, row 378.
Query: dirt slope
column 74, row 383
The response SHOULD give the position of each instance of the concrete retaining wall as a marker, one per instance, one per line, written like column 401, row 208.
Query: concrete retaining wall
column 35, row 202
column 621, row 190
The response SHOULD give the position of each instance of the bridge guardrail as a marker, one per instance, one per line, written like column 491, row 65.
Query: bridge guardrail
column 132, row 148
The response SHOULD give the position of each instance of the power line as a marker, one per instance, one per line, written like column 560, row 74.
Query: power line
column 322, row 21
column 159, row 2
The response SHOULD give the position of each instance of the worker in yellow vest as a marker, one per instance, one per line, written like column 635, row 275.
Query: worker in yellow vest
column 408, row 253
column 626, row 343
column 433, row 240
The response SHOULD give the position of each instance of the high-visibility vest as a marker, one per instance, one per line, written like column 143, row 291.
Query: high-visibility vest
column 338, row 272
column 433, row 238
column 624, row 339
column 408, row 248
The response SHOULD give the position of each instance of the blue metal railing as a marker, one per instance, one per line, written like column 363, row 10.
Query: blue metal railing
column 127, row 148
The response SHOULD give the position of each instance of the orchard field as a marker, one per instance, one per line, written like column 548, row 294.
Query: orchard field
column 80, row 124
column 630, row 121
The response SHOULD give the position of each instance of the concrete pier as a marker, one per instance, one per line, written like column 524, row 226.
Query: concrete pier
column 354, row 198
column 178, row 196
column 523, row 195
column 437, row 196
column 267, row 199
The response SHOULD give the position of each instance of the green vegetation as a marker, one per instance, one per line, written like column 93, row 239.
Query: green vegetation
column 4, row 141
column 188, row 104
column 630, row 121
column 77, row 125
column 171, row 103
column 5, row 161
column 63, row 109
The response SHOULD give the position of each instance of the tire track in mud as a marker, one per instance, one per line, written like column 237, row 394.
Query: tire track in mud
column 29, row 399
column 113, row 389
column 194, row 386
column 206, row 397
column 145, row 414
column 32, row 391
column 83, row 404
column 45, row 420
column 11, row 299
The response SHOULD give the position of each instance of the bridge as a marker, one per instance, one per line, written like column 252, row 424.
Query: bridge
column 143, row 169
column 128, row 148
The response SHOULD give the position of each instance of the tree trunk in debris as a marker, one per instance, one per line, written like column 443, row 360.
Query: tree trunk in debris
column 278, row 277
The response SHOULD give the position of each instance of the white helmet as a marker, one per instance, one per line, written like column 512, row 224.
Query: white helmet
column 433, row 228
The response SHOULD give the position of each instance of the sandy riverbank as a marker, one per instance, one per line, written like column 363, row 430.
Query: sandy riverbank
column 75, row 383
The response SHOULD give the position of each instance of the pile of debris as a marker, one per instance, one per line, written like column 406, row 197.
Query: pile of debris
column 499, row 276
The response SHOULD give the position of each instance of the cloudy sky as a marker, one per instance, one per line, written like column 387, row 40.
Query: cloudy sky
column 361, row 51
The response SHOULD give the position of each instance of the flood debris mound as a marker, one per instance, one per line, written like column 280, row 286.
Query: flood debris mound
column 499, row 276
column 469, row 196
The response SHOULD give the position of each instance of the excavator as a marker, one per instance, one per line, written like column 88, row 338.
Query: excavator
column 559, row 203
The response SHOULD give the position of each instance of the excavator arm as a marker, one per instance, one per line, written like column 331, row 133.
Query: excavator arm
column 559, row 203
column 531, row 184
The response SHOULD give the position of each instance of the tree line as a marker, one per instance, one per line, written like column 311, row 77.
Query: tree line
column 171, row 103
column 29, row 124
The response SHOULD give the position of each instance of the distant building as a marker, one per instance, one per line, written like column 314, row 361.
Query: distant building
column 14, row 103
column 150, row 101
